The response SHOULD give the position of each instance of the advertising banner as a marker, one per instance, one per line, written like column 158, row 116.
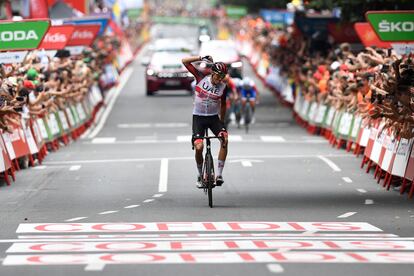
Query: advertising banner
column 368, row 36
column 12, row 57
column 101, row 21
column 236, row 12
column 310, row 25
column 343, row 32
column 277, row 17
column 22, row 35
column 394, row 26
column 57, row 37
column 84, row 35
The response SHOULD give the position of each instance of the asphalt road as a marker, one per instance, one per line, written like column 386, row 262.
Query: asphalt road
column 124, row 202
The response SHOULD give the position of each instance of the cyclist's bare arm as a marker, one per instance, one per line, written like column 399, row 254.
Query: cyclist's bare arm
column 257, row 93
column 232, row 86
column 223, row 107
column 190, row 67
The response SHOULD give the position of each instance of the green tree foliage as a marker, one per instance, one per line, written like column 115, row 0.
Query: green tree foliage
column 352, row 10
column 256, row 5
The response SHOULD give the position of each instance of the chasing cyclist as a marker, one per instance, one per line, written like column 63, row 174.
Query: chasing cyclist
column 248, row 89
column 209, row 100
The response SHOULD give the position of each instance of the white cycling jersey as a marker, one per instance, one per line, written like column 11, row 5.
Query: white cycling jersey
column 207, row 97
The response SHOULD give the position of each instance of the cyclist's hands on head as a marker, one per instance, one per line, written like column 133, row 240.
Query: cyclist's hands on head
column 207, row 59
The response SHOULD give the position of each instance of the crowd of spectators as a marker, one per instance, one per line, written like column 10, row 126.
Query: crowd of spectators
column 43, row 84
column 372, row 82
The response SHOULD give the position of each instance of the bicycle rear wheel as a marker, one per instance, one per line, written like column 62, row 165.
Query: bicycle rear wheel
column 210, row 178
column 247, row 116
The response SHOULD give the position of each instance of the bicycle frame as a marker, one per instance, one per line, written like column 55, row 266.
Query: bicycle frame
column 208, row 177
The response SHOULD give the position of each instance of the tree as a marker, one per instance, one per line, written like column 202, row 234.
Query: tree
column 351, row 10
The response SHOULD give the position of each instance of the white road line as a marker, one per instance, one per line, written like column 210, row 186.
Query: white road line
column 95, row 267
column 104, row 140
column 235, row 138
column 156, row 125
column 246, row 163
column 347, row 179
column 108, row 212
column 75, row 219
column 275, row 268
column 346, row 215
column 170, row 125
column 75, row 168
column 124, row 79
column 186, row 138
column 272, row 139
column 163, row 183
column 158, row 195
column 128, row 160
column 329, row 163
column 132, row 206
column 148, row 200
column 362, row 191
column 183, row 138
column 138, row 125
column 41, row 167
column 369, row 201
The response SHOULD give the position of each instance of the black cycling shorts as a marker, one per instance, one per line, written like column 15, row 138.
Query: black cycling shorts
column 201, row 123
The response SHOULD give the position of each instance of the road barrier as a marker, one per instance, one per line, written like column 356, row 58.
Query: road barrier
column 391, row 157
column 32, row 138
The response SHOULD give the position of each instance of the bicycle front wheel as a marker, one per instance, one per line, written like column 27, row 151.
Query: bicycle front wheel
column 210, row 178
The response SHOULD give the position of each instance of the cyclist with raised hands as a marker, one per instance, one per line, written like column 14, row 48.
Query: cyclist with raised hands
column 209, row 110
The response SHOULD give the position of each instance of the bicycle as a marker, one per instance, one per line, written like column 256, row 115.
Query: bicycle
column 233, row 113
column 247, row 114
column 208, row 176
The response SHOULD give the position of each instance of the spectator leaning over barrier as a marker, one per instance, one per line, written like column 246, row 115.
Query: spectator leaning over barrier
column 376, row 83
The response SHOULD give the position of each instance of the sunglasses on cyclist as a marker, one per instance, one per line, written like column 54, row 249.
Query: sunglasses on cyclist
column 221, row 76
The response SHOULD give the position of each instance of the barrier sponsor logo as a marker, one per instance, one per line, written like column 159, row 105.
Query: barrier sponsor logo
column 83, row 35
column 392, row 25
column 101, row 21
column 57, row 37
column 14, row 57
column 22, row 35
column 368, row 36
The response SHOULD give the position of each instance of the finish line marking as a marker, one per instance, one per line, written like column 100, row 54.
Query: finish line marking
column 235, row 226
column 207, row 245
column 214, row 257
